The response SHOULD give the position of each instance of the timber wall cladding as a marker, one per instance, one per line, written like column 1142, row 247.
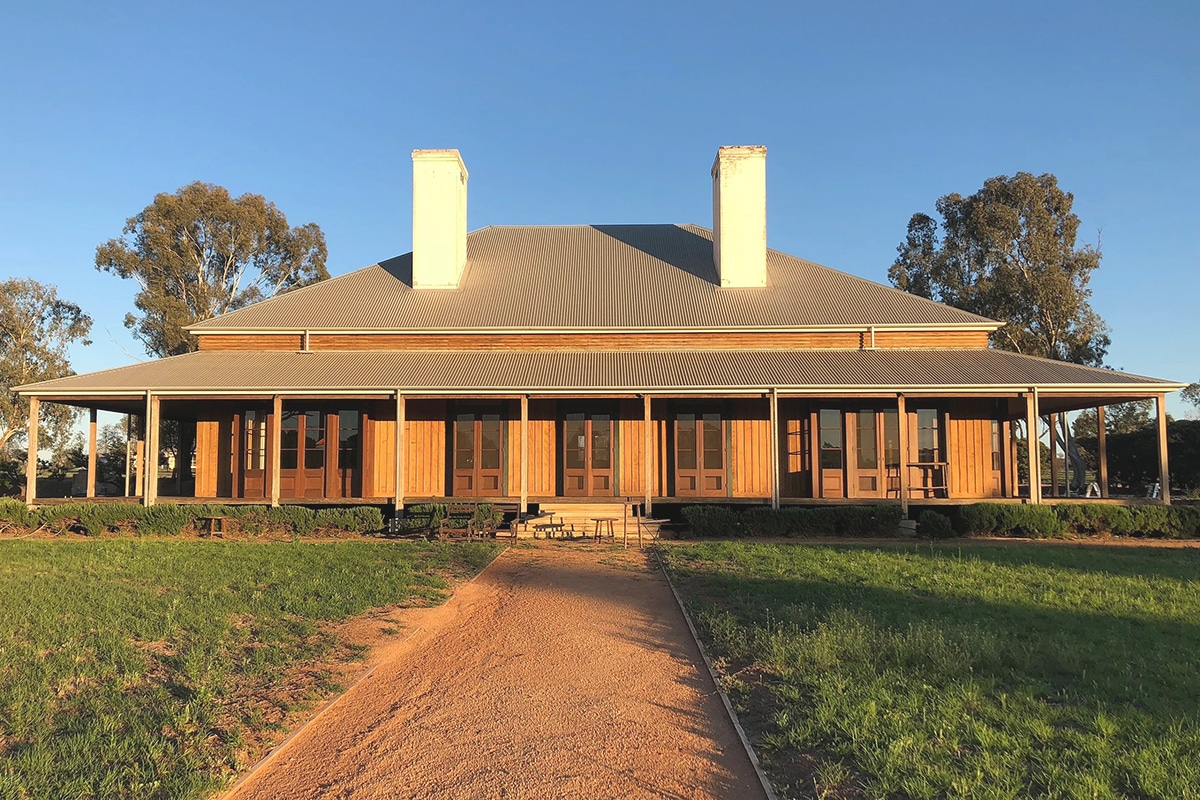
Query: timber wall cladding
column 383, row 435
column 949, row 339
column 969, row 442
column 425, row 448
column 750, row 458
column 631, row 442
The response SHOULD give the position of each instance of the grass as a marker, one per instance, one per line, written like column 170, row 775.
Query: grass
column 153, row 669
column 955, row 672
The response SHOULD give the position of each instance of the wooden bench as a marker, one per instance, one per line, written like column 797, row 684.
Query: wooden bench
column 210, row 525
column 447, row 528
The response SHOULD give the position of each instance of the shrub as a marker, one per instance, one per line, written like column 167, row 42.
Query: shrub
column 1038, row 522
column 712, row 521
column 935, row 525
column 765, row 521
column 356, row 519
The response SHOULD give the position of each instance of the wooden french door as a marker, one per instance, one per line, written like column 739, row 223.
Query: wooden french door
column 320, row 453
column 831, row 453
column 700, row 455
column 588, row 454
column 478, row 453
column 873, row 465
column 251, row 447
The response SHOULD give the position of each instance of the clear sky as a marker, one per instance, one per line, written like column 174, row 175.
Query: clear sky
column 605, row 113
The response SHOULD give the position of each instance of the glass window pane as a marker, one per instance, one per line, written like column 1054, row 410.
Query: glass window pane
column 891, row 437
column 868, row 456
column 997, row 453
column 314, row 458
column 713, row 446
column 601, row 441
column 489, row 446
column 927, row 435
column 287, row 459
column 575, row 441
column 314, row 431
column 830, row 421
column 685, row 441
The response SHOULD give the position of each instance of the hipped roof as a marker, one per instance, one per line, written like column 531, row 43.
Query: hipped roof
column 592, row 372
column 591, row 277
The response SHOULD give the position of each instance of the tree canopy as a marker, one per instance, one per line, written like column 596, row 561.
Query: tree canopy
column 199, row 253
column 36, row 328
column 1008, row 252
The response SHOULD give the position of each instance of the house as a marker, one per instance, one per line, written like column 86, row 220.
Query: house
column 657, row 363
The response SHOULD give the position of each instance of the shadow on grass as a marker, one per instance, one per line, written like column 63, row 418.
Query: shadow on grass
column 1111, row 661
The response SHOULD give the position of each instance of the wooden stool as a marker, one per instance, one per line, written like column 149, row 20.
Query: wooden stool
column 211, row 525
column 600, row 522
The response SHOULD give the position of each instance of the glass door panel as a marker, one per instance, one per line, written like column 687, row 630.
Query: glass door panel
column 587, row 454
column 831, row 455
column 699, row 455
column 478, row 454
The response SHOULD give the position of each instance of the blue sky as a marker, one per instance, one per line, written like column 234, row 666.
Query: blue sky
column 610, row 112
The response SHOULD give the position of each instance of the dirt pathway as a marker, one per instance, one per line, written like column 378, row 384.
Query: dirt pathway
column 561, row 671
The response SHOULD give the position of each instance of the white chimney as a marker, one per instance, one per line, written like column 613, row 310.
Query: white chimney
column 739, row 177
column 439, row 219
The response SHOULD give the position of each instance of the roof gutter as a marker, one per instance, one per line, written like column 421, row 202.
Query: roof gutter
column 784, row 390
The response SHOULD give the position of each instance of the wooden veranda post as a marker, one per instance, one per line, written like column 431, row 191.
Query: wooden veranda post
column 774, row 449
column 902, row 435
column 1164, row 474
column 91, row 465
column 1102, row 451
column 524, row 453
column 648, row 452
column 150, row 479
column 1031, row 425
column 1053, row 455
column 398, row 463
column 31, row 455
column 274, row 450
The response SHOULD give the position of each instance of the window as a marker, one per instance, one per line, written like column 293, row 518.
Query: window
column 868, row 447
column 255, row 445
column 891, row 438
column 830, row 423
column 289, row 444
column 997, row 453
column 927, row 435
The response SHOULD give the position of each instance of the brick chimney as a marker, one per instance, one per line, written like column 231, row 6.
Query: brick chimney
column 439, row 219
column 739, row 177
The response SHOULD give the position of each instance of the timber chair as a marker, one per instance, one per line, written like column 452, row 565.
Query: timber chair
column 452, row 528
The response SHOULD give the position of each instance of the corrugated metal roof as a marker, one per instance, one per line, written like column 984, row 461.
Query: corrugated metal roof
column 590, row 277
column 595, row 371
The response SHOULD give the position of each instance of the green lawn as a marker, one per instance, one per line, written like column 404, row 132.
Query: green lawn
column 150, row 669
column 975, row 671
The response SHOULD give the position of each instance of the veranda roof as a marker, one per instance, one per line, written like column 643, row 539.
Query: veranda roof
column 478, row 372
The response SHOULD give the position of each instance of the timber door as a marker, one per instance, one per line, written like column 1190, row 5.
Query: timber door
column 252, row 450
column 302, row 454
column 344, row 477
column 588, row 454
column 478, row 454
column 699, row 455
column 320, row 453
column 831, row 454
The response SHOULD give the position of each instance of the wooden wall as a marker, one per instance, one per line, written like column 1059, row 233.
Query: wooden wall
column 750, row 451
column 967, row 440
column 425, row 448
column 842, row 340
column 969, row 446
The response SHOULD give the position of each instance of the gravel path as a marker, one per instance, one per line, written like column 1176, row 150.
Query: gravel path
column 561, row 671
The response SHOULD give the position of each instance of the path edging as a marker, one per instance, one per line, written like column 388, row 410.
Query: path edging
column 733, row 717
column 279, row 748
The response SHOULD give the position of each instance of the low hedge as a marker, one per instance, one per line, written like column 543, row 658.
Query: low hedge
column 717, row 521
column 1083, row 519
column 170, row 520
